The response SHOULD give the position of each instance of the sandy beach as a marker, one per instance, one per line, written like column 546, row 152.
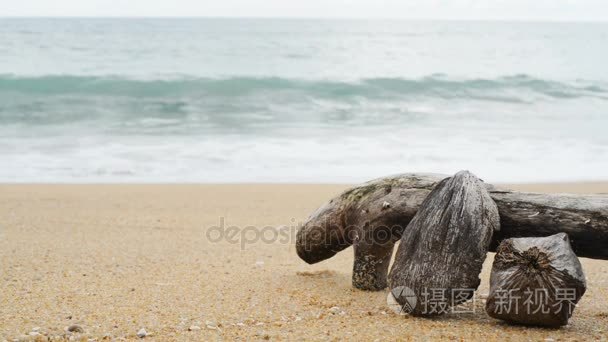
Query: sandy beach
column 114, row 259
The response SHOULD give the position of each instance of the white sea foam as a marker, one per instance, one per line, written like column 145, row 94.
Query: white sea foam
column 100, row 101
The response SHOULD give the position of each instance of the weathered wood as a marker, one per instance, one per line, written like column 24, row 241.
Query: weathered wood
column 356, row 217
column 388, row 204
column 535, row 281
column 443, row 248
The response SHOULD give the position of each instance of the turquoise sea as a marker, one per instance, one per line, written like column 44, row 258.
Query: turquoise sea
column 271, row 100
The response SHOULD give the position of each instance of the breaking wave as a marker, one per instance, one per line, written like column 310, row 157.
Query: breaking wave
column 507, row 88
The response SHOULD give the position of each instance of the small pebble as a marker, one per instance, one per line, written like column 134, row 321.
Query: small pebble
column 75, row 328
column 142, row 333
column 335, row 310
column 194, row 328
column 386, row 205
column 211, row 325
column 259, row 263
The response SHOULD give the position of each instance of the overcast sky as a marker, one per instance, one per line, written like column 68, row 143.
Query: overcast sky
column 574, row 10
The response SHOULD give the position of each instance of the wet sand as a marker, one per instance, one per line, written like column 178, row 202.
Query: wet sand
column 113, row 259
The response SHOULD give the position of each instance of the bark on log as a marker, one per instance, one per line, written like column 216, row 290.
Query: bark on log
column 443, row 248
column 535, row 281
column 374, row 215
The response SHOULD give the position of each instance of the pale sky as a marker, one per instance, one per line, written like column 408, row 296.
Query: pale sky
column 570, row 10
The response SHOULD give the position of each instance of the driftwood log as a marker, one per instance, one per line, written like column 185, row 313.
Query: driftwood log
column 373, row 216
column 443, row 248
column 535, row 281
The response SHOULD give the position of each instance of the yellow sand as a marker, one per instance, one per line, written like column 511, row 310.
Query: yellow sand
column 118, row 258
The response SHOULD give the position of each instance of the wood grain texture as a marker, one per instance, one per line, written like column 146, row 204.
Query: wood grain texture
column 387, row 205
column 442, row 250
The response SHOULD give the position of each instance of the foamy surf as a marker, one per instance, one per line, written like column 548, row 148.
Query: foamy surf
column 97, row 101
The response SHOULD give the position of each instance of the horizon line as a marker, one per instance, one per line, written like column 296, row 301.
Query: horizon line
column 521, row 20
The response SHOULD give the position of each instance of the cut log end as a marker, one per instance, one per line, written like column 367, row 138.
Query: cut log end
column 535, row 281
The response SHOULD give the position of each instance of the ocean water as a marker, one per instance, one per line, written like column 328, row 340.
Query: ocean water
column 269, row 100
